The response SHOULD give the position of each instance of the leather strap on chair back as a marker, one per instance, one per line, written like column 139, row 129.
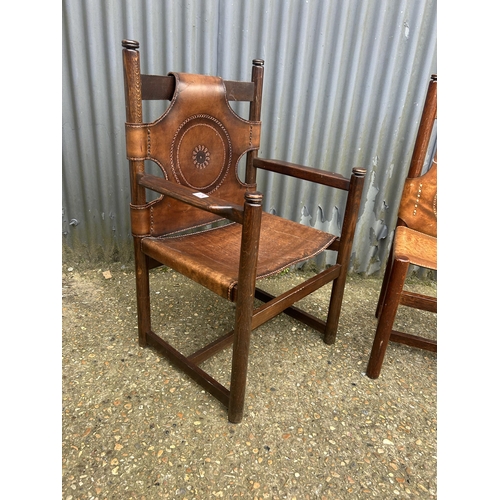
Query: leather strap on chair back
column 197, row 142
column 418, row 208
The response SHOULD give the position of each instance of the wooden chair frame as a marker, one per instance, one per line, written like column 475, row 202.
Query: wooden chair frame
column 140, row 87
column 392, row 293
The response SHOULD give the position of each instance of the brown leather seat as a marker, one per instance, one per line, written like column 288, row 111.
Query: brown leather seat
column 208, row 223
column 420, row 249
column 214, row 254
column 415, row 243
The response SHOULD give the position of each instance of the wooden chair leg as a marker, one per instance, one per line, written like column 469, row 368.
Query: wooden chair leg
column 395, row 284
column 142, row 291
column 332, row 321
column 383, row 290
column 344, row 254
column 245, row 304
column 241, row 349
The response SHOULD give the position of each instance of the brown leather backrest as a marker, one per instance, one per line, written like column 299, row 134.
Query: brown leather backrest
column 197, row 142
column 418, row 207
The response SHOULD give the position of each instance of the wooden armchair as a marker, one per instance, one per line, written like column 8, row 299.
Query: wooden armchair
column 415, row 243
column 197, row 143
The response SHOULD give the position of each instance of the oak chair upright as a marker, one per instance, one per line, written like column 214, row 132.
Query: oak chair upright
column 197, row 143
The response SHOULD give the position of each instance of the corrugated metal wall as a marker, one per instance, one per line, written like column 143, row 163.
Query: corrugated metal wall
column 344, row 86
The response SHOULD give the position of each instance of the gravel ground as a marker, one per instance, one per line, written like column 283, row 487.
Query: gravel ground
column 315, row 427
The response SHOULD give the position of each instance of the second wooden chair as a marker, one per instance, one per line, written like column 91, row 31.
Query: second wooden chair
column 414, row 243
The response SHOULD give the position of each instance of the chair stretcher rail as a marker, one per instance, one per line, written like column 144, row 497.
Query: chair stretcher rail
column 190, row 368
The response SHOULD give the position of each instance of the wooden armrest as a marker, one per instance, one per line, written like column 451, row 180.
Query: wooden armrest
column 192, row 197
column 301, row 172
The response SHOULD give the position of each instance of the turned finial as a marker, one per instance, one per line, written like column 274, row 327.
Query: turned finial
column 253, row 197
column 130, row 44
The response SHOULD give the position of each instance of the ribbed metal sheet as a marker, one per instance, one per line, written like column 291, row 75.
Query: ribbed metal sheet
column 344, row 86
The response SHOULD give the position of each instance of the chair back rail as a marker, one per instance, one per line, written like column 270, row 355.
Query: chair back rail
column 161, row 87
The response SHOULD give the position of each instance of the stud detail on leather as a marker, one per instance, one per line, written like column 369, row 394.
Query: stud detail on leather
column 201, row 156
